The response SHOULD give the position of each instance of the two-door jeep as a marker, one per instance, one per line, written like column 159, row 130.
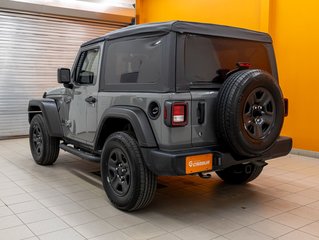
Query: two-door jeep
column 172, row 98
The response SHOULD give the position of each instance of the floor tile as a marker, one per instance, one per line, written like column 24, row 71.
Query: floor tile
column 94, row 203
column 25, row 206
column 5, row 211
column 36, row 215
column 167, row 236
column 291, row 220
column 19, row 232
column 19, row 198
column 65, row 209
column 9, row 221
column 298, row 235
column 67, row 234
column 270, row 228
column 47, row 226
column 76, row 219
column 106, row 212
column 117, row 235
column 306, row 212
column 143, row 231
column 167, row 221
column 312, row 229
column 55, row 201
column 195, row 232
column 124, row 220
column 282, row 204
column 221, row 225
column 247, row 234
column 93, row 229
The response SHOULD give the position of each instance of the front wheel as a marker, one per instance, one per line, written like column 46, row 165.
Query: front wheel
column 240, row 174
column 44, row 148
column 128, row 183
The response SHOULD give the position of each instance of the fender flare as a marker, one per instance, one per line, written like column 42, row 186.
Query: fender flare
column 50, row 114
column 138, row 120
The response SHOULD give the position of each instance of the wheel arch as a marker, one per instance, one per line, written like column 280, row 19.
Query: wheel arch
column 121, row 118
column 48, row 109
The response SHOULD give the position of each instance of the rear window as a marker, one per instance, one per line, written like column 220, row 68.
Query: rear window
column 208, row 59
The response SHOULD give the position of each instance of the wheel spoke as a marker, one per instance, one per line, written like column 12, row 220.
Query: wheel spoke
column 268, row 119
column 115, row 182
column 258, row 132
column 247, row 118
column 125, row 186
column 265, row 99
column 112, row 164
column 251, row 100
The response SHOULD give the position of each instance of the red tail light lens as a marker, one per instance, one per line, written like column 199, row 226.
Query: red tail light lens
column 179, row 114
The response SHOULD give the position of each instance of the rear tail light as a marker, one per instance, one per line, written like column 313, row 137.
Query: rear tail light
column 175, row 114
column 179, row 111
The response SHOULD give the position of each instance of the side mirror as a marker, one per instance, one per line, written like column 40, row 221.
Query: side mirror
column 64, row 75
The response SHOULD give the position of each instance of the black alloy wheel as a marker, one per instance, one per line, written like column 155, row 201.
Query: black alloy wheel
column 250, row 112
column 119, row 172
column 259, row 113
column 37, row 139
column 127, row 181
column 44, row 148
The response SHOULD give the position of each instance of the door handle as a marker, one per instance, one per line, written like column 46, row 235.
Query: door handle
column 90, row 99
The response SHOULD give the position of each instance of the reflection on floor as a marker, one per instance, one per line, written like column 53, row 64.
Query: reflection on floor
column 66, row 201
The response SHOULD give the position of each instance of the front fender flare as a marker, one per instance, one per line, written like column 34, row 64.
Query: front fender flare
column 50, row 114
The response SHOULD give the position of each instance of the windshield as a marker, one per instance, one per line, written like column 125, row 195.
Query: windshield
column 208, row 59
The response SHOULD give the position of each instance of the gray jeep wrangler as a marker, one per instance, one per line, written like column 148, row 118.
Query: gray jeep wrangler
column 172, row 98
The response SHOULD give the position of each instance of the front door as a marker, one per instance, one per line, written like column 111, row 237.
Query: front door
column 83, row 105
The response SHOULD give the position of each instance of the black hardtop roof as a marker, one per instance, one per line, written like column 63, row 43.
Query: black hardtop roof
column 185, row 27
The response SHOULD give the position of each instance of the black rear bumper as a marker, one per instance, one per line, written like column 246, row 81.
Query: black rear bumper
column 172, row 163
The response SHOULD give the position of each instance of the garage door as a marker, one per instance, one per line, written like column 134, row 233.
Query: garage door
column 31, row 50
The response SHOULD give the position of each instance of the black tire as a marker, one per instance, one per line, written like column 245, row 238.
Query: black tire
column 240, row 174
column 44, row 148
column 250, row 112
column 128, row 183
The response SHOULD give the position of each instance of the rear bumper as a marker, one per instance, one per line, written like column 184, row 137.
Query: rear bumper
column 172, row 163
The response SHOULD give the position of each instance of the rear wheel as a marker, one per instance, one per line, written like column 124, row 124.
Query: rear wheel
column 44, row 148
column 240, row 174
column 128, row 183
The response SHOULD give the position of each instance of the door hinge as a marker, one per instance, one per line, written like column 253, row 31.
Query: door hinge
column 67, row 99
column 67, row 123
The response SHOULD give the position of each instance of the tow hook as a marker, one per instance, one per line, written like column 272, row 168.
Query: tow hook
column 204, row 175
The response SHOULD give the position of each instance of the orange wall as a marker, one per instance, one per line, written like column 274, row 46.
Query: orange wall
column 292, row 25
column 228, row 12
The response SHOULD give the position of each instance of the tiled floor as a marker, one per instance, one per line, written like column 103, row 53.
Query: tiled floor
column 66, row 201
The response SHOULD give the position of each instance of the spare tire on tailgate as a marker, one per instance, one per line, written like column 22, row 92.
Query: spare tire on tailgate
column 250, row 112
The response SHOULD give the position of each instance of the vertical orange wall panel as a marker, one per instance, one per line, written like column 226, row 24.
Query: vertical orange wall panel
column 294, row 26
column 240, row 13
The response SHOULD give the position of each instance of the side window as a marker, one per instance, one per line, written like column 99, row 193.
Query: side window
column 88, row 67
column 136, row 61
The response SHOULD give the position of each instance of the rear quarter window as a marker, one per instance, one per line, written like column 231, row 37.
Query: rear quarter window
column 136, row 64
